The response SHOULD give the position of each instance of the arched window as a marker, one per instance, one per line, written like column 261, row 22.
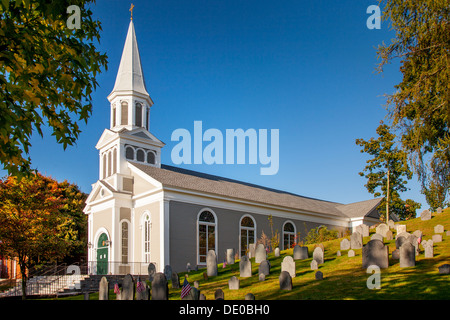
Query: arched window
column 146, row 226
column 288, row 235
column 129, row 153
column 124, row 242
column 151, row 157
column 124, row 113
column 138, row 114
column 247, row 231
column 206, row 235
column 140, row 155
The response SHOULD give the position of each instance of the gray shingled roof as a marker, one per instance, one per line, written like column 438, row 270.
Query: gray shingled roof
column 170, row 176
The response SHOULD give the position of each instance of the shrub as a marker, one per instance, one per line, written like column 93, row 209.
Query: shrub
column 320, row 234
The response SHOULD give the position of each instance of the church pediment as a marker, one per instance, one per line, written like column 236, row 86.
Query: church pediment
column 100, row 191
column 106, row 137
column 142, row 135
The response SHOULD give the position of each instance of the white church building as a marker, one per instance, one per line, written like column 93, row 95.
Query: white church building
column 141, row 211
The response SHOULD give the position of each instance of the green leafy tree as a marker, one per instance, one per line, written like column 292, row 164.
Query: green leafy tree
column 387, row 161
column 420, row 106
column 47, row 75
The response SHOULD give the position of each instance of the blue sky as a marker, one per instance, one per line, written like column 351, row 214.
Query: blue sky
column 303, row 67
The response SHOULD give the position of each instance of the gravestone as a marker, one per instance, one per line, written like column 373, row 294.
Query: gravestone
column 429, row 250
column 168, row 272
column 318, row 255
column 249, row 296
column 277, row 252
column 264, row 267
column 396, row 254
column 436, row 238
column 188, row 267
column 193, row 294
column 425, row 215
column 300, row 253
column 351, row 253
column 211, row 264
column 444, row 269
column 319, row 275
column 413, row 240
column 144, row 292
column 175, row 280
column 401, row 239
column 285, row 281
column 381, row 229
column 314, row 265
column 233, row 283
column 439, row 228
column 389, row 235
column 377, row 236
column 391, row 224
column 418, row 233
column 345, row 244
column 230, row 256
column 262, row 277
column 439, row 210
column 151, row 271
column 245, row 267
column 288, row 265
column 375, row 253
column 219, row 295
column 128, row 288
column 363, row 229
column 401, row 228
column 251, row 250
column 338, row 253
column 407, row 255
column 260, row 253
column 103, row 290
column 356, row 240
column 160, row 288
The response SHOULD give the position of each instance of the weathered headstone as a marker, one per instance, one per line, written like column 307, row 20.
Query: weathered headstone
column 351, row 253
column 429, row 250
column 363, row 229
column 277, row 252
column 318, row 255
column 391, row 224
column 288, row 264
column 245, row 267
column 389, row 235
column 418, row 233
column 262, row 277
column 338, row 253
column 439, row 210
column 444, row 269
column 211, row 264
column 168, row 272
column 233, row 283
column 382, row 228
column 160, row 288
column 407, row 255
column 300, row 253
column 264, row 267
column 128, row 288
column 377, row 236
column 219, row 295
column 251, row 250
column 319, row 275
column 439, row 228
column 249, row 296
column 103, row 290
column 314, row 265
column 175, row 280
column 230, row 256
column 401, row 239
column 144, row 292
column 151, row 271
column 436, row 238
column 345, row 244
column 356, row 240
column 260, row 253
column 193, row 294
column 285, row 281
column 425, row 215
column 375, row 253
column 401, row 228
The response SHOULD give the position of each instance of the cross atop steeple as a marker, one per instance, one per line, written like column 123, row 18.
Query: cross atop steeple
column 131, row 10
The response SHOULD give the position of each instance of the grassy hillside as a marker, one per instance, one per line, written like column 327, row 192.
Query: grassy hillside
column 344, row 277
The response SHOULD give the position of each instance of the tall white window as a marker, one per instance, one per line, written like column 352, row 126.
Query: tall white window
column 288, row 235
column 247, row 231
column 206, row 235
column 146, row 237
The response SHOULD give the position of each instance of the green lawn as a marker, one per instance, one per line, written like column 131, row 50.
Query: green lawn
column 344, row 277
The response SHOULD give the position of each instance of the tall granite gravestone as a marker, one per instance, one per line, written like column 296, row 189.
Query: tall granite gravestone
column 407, row 255
column 345, row 244
column 245, row 267
column 151, row 271
column 219, row 295
column 160, row 288
column 264, row 267
column 128, row 288
column 230, row 256
column 285, row 281
column 375, row 253
column 425, row 215
column 401, row 239
column 429, row 250
column 382, row 228
column 168, row 272
column 211, row 264
column 260, row 253
column 175, row 280
column 363, row 229
column 300, row 253
column 288, row 265
column 318, row 255
column 356, row 240
column 103, row 290
column 233, row 283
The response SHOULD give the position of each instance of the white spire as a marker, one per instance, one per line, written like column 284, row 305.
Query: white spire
column 130, row 78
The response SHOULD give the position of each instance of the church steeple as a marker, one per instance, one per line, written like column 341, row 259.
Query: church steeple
column 130, row 101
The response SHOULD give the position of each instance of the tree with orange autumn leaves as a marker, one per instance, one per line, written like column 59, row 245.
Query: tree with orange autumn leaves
column 41, row 220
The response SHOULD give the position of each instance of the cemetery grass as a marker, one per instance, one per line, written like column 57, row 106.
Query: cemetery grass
column 344, row 278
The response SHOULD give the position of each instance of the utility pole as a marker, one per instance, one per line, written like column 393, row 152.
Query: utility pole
column 387, row 199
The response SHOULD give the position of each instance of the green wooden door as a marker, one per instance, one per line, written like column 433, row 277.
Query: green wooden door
column 102, row 254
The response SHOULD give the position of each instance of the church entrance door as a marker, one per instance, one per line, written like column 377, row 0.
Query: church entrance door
column 102, row 254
